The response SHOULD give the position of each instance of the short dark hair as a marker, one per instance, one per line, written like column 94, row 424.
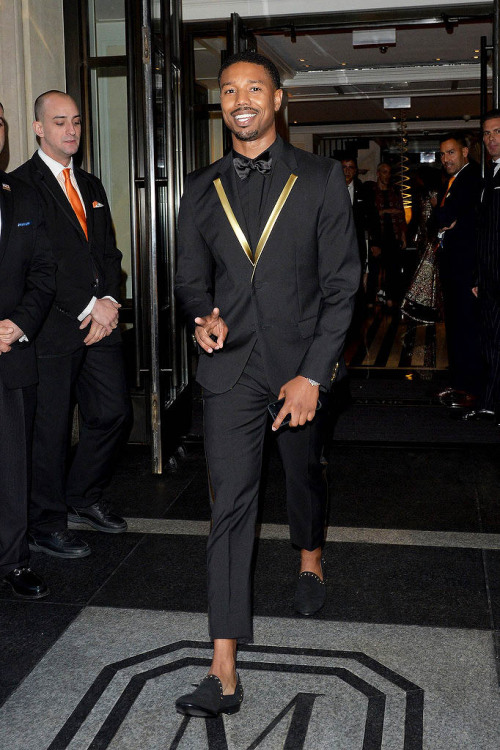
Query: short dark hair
column 349, row 157
column 458, row 137
column 1, row 105
column 492, row 114
column 257, row 59
column 40, row 101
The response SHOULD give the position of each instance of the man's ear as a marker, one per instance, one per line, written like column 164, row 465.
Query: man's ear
column 38, row 128
column 278, row 96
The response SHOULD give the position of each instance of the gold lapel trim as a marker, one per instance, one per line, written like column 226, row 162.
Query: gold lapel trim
column 269, row 224
column 274, row 216
column 232, row 219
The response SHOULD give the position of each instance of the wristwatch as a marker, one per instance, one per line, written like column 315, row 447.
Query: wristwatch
column 313, row 382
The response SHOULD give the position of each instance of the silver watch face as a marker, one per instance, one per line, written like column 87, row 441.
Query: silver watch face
column 312, row 382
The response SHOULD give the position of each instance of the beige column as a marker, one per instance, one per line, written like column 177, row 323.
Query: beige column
column 31, row 62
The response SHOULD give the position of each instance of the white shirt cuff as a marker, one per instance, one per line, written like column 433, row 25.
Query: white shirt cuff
column 90, row 306
column 88, row 309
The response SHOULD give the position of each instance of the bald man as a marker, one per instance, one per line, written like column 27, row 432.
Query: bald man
column 78, row 349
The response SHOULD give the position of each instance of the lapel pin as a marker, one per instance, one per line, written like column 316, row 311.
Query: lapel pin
column 5, row 186
column 96, row 204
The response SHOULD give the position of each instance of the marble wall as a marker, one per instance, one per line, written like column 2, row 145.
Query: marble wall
column 32, row 61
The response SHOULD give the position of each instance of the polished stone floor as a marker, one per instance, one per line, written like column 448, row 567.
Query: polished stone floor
column 403, row 656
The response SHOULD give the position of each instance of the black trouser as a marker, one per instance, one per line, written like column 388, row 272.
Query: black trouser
column 95, row 378
column 489, row 303
column 235, row 426
column 17, row 409
column 461, row 317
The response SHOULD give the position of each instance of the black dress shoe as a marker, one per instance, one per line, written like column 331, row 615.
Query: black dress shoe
column 445, row 392
column 208, row 700
column 472, row 415
column 59, row 544
column 310, row 594
column 98, row 516
column 26, row 584
column 458, row 400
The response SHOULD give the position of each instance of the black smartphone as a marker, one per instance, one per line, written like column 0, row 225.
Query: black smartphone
column 276, row 406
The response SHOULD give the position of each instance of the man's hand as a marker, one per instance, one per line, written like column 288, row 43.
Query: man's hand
column 301, row 399
column 210, row 325
column 9, row 332
column 105, row 312
column 375, row 251
column 445, row 229
column 96, row 331
column 475, row 291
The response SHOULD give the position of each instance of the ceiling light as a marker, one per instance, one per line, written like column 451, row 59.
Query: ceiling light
column 397, row 102
column 302, row 59
column 476, row 57
column 438, row 59
column 343, row 63
column 476, row 50
column 374, row 37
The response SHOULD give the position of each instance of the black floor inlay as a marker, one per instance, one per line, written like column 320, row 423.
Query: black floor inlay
column 75, row 581
column 366, row 582
column 27, row 631
column 163, row 572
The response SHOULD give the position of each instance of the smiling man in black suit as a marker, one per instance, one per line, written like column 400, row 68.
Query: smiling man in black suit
column 78, row 348
column 268, row 268
column 27, row 286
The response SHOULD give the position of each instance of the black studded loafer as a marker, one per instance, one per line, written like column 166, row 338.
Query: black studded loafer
column 208, row 700
column 26, row 584
column 99, row 516
column 59, row 544
column 310, row 594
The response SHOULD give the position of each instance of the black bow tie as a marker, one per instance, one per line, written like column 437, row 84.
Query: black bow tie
column 242, row 165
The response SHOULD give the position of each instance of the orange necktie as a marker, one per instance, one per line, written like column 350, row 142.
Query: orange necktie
column 75, row 201
column 450, row 183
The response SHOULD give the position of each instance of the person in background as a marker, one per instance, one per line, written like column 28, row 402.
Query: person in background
column 27, row 286
column 488, row 276
column 388, row 239
column 78, row 348
column 456, row 214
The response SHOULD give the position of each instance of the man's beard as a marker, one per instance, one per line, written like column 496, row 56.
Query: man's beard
column 252, row 136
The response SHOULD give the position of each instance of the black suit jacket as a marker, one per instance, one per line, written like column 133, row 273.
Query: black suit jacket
column 365, row 216
column 457, row 259
column 27, row 277
column 488, row 247
column 85, row 269
column 298, row 298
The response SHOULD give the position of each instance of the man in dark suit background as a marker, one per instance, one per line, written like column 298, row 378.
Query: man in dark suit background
column 359, row 209
column 488, row 274
column 78, row 348
column 457, row 215
column 27, row 286
column 268, row 268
